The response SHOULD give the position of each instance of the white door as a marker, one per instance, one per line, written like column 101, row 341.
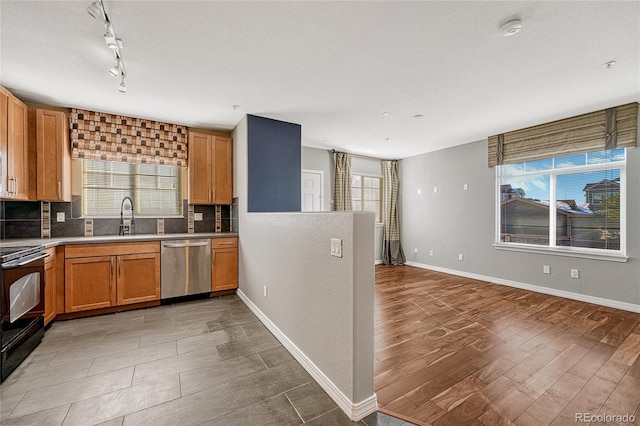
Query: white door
column 312, row 190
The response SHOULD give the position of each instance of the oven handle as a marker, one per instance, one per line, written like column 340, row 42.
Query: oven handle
column 41, row 256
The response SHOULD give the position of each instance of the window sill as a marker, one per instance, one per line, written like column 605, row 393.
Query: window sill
column 555, row 251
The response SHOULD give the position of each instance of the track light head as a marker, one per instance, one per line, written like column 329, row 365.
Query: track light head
column 115, row 70
column 123, row 86
column 95, row 9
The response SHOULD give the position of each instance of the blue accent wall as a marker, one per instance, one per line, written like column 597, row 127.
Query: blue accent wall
column 274, row 165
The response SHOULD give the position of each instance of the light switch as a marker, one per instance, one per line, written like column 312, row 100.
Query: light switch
column 197, row 216
column 60, row 217
column 336, row 247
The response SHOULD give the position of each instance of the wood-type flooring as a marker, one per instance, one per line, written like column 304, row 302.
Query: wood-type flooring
column 455, row 351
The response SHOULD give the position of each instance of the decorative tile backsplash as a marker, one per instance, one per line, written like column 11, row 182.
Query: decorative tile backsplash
column 24, row 219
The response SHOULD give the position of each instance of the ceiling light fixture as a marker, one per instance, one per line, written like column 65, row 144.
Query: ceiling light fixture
column 609, row 65
column 386, row 114
column 115, row 70
column 96, row 9
column 418, row 116
column 510, row 28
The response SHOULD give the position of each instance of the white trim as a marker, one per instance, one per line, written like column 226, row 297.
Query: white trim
column 614, row 256
column 321, row 173
column 531, row 287
column 378, row 262
column 355, row 411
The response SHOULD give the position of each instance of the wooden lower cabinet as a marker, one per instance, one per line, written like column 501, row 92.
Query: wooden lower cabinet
column 127, row 274
column 138, row 278
column 50, row 288
column 224, row 264
column 89, row 283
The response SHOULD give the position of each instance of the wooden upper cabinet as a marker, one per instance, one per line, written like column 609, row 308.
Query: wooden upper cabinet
column 13, row 142
column 222, row 171
column 49, row 155
column 210, row 168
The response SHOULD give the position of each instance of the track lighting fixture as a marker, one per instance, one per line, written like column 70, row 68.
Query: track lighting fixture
column 96, row 9
column 115, row 70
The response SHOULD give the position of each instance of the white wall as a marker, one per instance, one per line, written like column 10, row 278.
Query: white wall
column 320, row 306
column 454, row 221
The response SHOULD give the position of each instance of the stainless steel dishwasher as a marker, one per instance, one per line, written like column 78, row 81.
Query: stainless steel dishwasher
column 185, row 268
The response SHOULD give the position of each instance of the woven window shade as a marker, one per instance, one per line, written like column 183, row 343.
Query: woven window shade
column 108, row 137
column 584, row 133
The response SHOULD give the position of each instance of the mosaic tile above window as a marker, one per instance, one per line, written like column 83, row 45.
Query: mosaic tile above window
column 102, row 136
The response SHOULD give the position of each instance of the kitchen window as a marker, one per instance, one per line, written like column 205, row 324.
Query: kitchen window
column 156, row 190
column 366, row 194
column 571, row 204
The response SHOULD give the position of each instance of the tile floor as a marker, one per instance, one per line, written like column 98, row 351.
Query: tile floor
column 205, row 362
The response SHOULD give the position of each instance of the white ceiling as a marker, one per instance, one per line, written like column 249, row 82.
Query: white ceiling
column 333, row 67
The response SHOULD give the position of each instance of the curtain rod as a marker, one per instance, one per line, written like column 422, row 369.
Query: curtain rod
column 333, row 151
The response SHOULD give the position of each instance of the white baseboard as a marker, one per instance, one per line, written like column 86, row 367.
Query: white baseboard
column 355, row 411
column 378, row 262
column 531, row 287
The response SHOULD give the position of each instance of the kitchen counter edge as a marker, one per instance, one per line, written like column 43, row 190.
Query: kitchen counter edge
column 53, row 242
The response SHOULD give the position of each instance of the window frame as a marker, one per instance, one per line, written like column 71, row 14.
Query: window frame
column 381, row 179
column 135, row 193
column 552, row 248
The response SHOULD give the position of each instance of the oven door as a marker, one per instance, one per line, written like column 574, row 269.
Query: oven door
column 22, row 298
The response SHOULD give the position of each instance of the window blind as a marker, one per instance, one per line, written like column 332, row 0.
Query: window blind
column 155, row 190
column 595, row 131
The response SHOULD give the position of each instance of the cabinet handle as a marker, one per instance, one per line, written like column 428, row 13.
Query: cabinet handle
column 111, row 263
column 15, row 181
column 119, row 266
column 210, row 195
column 213, row 257
column 12, row 185
column 59, row 190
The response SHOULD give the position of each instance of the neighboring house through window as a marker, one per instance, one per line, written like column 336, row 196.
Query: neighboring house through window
column 587, row 195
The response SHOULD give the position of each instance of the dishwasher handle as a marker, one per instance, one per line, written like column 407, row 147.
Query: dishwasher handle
column 181, row 245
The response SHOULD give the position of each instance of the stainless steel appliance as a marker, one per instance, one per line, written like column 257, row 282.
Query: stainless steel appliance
column 21, row 304
column 185, row 268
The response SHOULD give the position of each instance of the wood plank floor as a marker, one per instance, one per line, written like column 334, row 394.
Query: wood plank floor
column 455, row 351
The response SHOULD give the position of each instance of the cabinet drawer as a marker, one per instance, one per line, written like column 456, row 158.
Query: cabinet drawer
column 224, row 243
column 111, row 249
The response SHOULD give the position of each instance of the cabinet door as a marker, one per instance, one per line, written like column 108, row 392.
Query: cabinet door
column 4, row 140
column 17, row 165
column 138, row 278
column 51, row 162
column 222, row 171
column 224, row 272
column 89, row 283
column 200, row 191
column 50, row 288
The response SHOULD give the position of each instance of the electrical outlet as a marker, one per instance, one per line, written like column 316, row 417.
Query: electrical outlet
column 575, row 273
column 465, row 187
column 197, row 216
column 266, row 292
column 435, row 189
column 60, row 217
column 546, row 269
column 461, row 257
column 415, row 251
column 431, row 253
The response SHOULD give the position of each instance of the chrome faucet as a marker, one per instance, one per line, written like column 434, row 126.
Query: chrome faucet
column 126, row 229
